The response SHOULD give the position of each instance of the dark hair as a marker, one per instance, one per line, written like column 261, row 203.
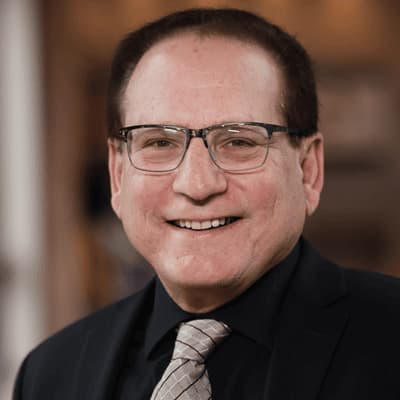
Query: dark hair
column 301, row 104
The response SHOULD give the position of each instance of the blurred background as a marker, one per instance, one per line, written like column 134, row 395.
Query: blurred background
column 62, row 252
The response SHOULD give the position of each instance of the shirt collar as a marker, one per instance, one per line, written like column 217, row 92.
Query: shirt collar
column 239, row 314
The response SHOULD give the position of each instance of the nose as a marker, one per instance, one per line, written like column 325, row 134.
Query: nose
column 198, row 177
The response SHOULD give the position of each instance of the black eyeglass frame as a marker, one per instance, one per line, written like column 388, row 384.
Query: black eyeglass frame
column 123, row 133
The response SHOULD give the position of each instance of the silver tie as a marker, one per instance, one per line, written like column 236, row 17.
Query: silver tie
column 186, row 377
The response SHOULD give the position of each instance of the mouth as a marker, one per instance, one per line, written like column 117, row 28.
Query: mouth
column 204, row 225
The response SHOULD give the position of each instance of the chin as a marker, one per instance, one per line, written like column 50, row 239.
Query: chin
column 201, row 279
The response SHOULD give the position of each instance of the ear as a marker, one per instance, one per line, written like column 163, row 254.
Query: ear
column 115, row 169
column 312, row 164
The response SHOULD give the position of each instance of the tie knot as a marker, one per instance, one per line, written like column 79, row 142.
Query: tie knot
column 197, row 339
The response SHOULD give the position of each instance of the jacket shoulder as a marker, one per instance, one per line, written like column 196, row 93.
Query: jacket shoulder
column 373, row 291
column 328, row 281
column 104, row 317
column 50, row 367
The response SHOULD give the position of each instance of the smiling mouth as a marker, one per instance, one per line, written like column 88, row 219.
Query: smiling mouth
column 203, row 225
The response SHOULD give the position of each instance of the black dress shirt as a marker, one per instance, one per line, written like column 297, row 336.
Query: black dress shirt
column 238, row 367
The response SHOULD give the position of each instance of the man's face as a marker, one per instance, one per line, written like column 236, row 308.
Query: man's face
column 197, row 82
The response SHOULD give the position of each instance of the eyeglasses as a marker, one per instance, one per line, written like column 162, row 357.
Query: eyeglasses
column 233, row 146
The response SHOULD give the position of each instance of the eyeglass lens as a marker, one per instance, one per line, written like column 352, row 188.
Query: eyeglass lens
column 234, row 147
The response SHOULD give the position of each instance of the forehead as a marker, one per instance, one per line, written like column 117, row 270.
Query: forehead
column 214, row 77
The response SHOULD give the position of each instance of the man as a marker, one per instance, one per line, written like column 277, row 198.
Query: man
column 215, row 161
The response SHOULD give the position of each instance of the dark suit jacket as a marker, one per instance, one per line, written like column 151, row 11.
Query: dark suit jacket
column 338, row 337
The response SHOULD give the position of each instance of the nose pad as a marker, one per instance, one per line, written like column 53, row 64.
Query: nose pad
column 198, row 177
column 198, row 133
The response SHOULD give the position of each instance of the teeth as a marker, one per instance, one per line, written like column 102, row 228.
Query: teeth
column 206, row 225
column 196, row 225
column 201, row 225
column 215, row 223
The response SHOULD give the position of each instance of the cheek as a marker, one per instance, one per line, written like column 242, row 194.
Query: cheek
column 290, row 203
column 142, row 201
column 277, row 218
column 277, row 201
column 140, row 194
column 263, row 196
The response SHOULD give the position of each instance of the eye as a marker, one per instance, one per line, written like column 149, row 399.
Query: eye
column 157, row 139
column 240, row 142
column 238, row 138
column 159, row 143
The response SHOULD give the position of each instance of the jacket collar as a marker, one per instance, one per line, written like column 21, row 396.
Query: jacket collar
column 103, row 350
column 311, row 323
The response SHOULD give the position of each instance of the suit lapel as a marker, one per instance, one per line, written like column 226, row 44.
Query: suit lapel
column 312, row 320
column 104, row 348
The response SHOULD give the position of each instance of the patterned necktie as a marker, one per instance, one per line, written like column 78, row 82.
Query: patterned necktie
column 186, row 377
